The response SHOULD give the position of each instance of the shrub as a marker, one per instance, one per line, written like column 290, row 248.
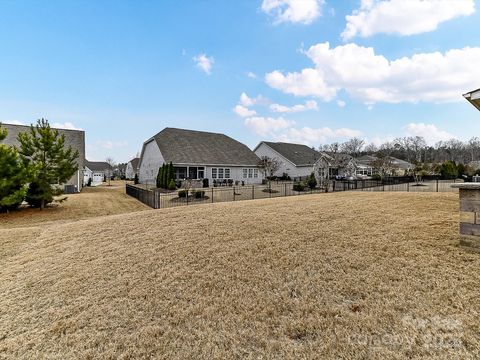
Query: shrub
column 311, row 181
column 285, row 177
column 377, row 177
column 182, row 193
column 205, row 183
column 199, row 194
column 89, row 182
column 135, row 179
column 172, row 185
column 298, row 187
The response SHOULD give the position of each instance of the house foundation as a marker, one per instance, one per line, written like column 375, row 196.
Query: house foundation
column 469, row 215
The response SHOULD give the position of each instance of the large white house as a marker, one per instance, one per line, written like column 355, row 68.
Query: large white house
column 199, row 155
column 132, row 168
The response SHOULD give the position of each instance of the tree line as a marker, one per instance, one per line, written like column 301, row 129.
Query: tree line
column 32, row 171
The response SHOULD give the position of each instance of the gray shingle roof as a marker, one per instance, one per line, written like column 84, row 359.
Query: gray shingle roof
column 97, row 165
column 182, row 146
column 135, row 163
column 298, row 154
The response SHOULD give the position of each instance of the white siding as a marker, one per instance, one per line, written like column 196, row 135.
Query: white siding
column 286, row 166
column 129, row 171
column 150, row 162
column 236, row 174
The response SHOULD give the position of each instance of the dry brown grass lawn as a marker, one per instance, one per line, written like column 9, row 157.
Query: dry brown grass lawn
column 350, row 276
column 91, row 202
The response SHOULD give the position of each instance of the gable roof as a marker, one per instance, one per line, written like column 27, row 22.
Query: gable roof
column 97, row 165
column 473, row 97
column 181, row 146
column 135, row 163
column 298, row 154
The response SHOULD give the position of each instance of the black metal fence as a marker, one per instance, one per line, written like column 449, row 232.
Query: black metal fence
column 158, row 199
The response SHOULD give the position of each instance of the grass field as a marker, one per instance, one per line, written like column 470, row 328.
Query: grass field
column 92, row 202
column 346, row 275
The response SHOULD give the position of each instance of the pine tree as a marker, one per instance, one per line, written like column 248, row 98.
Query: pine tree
column 159, row 177
column 52, row 162
column 164, row 177
column 14, row 175
column 171, row 174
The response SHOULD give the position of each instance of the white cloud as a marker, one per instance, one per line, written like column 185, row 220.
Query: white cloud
column 243, row 111
column 429, row 77
column 430, row 132
column 341, row 103
column 66, row 125
column 315, row 136
column 309, row 105
column 251, row 75
column 246, row 101
column 403, row 17
column 204, row 63
column 309, row 82
column 11, row 122
column 267, row 125
column 294, row 11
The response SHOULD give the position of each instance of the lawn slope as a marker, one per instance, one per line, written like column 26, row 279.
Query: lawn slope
column 351, row 275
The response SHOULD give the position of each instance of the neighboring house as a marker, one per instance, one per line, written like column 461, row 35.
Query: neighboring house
column 132, row 168
column 198, row 155
column 474, row 98
column 296, row 160
column 399, row 167
column 97, row 171
column 73, row 138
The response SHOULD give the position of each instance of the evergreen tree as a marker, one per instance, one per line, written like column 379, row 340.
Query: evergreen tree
column 51, row 161
column 135, row 179
column 159, row 177
column 164, row 177
column 171, row 174
column 311, row 181
column 14, row 175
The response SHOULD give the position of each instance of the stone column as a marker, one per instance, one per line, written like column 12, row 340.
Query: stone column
column 469, row 215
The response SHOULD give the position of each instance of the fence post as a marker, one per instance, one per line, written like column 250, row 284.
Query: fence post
column 188, row 191
column 234, row 193
column 285, row 189
column 253, row 192
column 212, row 195
column 333, row 186
column 408, row 186
column 383, row 185
column 437, row 184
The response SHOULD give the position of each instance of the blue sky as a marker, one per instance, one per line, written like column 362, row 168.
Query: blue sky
column 124, row 70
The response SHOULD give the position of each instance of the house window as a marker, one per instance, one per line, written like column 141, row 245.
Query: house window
column 192, row 172
column 255, row 173
column 201, row 172
column 180, row 173
column 250, row 173
column 227, row 173
column 245, row 173
column 220, row 173
column 214, row 173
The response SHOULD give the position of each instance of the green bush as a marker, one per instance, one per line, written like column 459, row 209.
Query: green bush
column 135, row 179
column 377, row 177
column 182, row 193
column 298, row 187
column 172, row 185
column 199, row 194
column 311, row 181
